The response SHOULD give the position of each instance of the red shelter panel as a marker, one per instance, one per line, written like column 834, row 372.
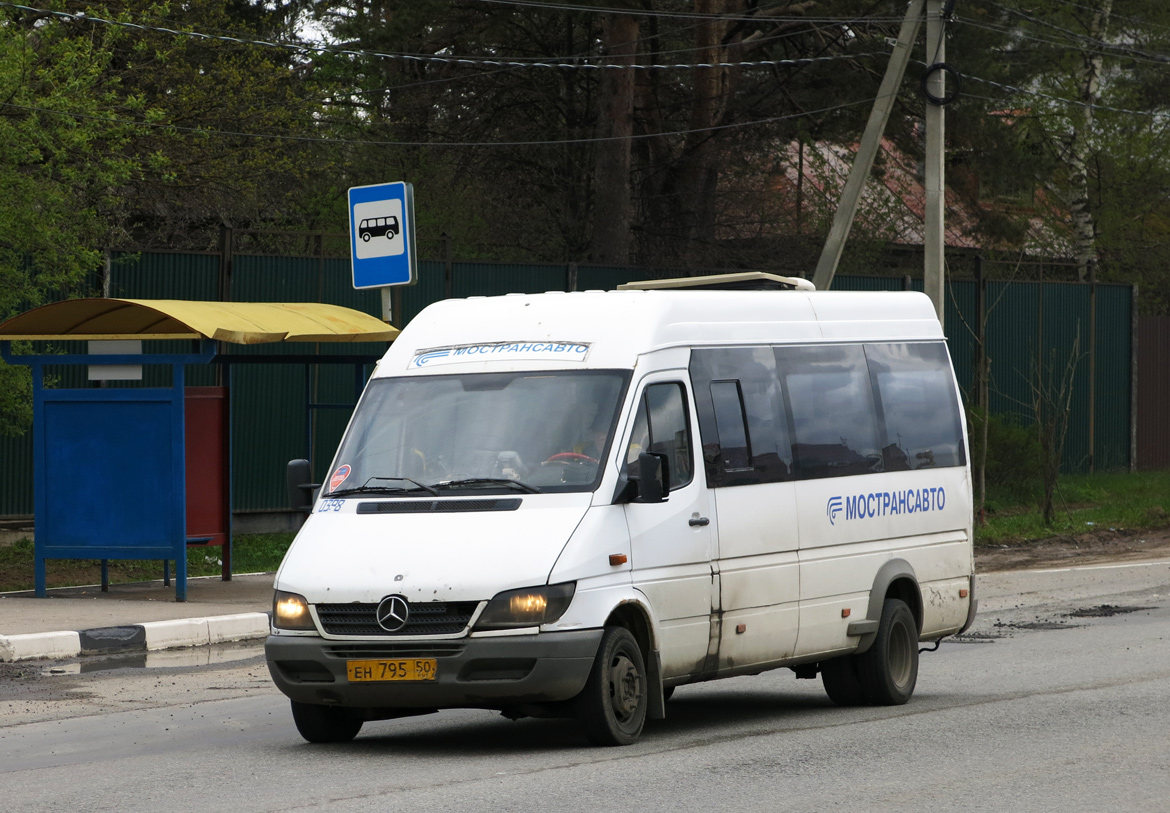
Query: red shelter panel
column 208, row 481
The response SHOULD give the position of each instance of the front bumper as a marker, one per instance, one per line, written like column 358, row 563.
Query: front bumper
column 491, row 673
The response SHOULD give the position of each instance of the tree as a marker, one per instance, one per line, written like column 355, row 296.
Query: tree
column 61, row 158
column 617, row 125
column 113, row 135
column 1072, row 97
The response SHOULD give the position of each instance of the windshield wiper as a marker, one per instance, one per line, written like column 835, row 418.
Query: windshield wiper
column 488, row 481
column 369, row 489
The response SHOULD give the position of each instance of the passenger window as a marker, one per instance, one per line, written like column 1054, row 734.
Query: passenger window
column 661, row 426
column 729, row 418
column 765, row 453
column 834, row 426
column 916, row 400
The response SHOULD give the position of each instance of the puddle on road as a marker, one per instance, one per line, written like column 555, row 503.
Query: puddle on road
column 161, row 659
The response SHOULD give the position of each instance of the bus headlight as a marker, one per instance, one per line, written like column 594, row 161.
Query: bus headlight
column 291, row 612
column 529, row 607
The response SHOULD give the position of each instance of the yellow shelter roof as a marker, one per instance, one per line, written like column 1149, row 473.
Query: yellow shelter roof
column 235, row 322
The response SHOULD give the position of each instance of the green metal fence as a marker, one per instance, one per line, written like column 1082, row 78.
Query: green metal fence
column 1026, row 322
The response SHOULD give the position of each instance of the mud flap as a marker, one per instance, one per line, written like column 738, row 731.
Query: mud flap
column 656, row 697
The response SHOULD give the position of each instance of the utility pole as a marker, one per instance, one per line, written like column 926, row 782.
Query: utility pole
column 935, row 181
column 870, row 141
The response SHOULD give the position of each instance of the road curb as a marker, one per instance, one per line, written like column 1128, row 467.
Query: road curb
column 149, row 636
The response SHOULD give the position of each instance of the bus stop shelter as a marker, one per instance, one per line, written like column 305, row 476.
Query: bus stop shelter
column 141, row 472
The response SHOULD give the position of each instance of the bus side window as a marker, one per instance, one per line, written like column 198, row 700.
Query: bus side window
column 732, row 425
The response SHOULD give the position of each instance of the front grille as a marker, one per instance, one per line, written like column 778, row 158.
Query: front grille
column 395, row 651
column 430, row 618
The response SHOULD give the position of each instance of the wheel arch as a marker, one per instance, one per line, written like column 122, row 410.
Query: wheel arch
column 636, row 618
column 894, row 579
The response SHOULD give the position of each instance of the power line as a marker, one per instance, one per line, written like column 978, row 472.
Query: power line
column 679, row 15
column 1074, row 39
column 579, row 63
column 1153, row 114
column 1145, row 24
column 377, row 143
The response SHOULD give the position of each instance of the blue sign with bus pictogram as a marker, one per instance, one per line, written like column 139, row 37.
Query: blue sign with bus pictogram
column 381, row 235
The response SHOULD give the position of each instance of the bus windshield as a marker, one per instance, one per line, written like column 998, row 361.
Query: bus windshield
column 547, row 431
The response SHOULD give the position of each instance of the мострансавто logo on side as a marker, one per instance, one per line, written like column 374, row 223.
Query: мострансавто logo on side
column 886, row 503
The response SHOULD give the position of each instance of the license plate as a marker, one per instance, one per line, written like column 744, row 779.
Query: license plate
column 374, row 671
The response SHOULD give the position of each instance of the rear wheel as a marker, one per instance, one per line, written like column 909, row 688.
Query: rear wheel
column 612, row 706
column 888, row 670
column 324, row 723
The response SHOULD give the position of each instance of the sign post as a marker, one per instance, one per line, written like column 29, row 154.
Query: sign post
column 381, row 238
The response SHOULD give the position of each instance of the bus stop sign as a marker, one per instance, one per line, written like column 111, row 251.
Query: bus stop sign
column 381, row 235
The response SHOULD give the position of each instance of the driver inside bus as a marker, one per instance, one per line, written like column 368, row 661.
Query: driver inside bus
column 589, row 447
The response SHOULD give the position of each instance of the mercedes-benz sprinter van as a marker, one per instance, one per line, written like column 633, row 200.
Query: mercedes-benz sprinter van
column 569, row 504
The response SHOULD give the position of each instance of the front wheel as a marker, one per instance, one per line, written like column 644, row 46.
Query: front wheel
column 888, row 670
column 612, row 706
column 324, row 723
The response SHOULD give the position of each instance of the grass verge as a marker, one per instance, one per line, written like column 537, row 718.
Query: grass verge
column 1119, row 503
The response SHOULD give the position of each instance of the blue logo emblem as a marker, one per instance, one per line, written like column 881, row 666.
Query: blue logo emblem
column 423, row 358
column 836, row 505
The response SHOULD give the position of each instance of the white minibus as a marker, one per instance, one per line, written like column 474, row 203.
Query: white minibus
column 570, row 504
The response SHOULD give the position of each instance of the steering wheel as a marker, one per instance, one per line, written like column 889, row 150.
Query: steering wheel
column 569, row 457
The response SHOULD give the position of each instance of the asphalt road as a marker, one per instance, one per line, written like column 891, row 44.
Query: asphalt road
column 1057, row 701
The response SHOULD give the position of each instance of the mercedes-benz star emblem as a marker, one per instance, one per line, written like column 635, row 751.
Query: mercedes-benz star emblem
column 392, row 613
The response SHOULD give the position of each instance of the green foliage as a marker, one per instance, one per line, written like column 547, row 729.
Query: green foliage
column 61, row 156
column 15, row 399
column 1013, row 453
column 1030, row 117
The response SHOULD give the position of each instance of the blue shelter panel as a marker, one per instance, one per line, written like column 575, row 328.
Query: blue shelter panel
column 124, row 452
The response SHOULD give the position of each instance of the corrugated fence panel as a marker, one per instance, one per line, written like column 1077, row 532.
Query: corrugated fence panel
column 1153, row 431
column 961, row 322
column 1066, row 316
column 605, row 278
column 429, row 288
column 493, row 279
column 16, row 475
column 164, row 276
column 1012, row 336
column 268, row 430
column 856, row 283
column 1113, row 408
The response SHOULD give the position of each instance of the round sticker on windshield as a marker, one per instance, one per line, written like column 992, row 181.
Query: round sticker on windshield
column 339, row 477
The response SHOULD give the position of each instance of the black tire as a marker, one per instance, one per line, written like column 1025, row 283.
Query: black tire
column 612, row 706
column 324, row 723
column 842, row 685
column 888, row 670
column 365, row 237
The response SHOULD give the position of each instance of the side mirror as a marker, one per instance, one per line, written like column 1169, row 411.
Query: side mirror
column 296, row 481
column 653, row 477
